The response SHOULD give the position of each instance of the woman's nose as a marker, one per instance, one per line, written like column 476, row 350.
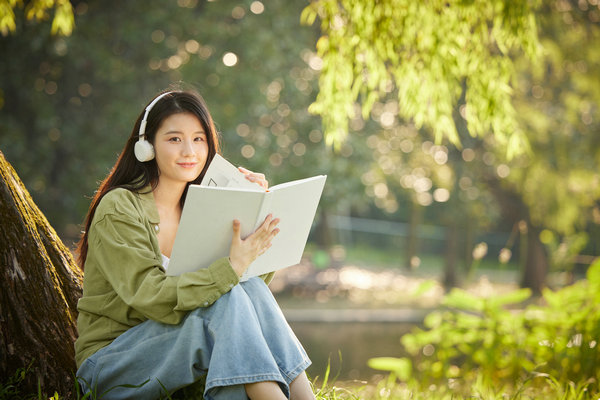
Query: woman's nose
column 188, row 148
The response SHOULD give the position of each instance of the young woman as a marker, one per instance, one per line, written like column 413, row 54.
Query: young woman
column 138, row 326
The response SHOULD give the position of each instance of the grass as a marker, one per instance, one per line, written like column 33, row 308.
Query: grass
column 538, row 386
column 430, row 265
column 366, row 256
column 389, row 387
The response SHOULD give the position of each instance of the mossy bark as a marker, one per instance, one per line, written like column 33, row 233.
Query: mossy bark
column 41, row 284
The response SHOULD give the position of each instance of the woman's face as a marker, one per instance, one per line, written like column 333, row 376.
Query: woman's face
column 181, row 148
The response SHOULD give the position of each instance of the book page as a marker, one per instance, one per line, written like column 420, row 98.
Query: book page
column 221, row 173
column 295, row 204
column 206, row 227
column 294, row 183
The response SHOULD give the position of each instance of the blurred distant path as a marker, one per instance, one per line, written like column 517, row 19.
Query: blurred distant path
column 355, row 315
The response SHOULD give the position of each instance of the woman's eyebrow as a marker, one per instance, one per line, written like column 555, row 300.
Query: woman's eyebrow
column 176, row 132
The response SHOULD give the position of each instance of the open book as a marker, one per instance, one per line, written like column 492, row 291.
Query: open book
column 205, row 230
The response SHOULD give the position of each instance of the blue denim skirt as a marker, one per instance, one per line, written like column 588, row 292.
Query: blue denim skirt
column 242, row 338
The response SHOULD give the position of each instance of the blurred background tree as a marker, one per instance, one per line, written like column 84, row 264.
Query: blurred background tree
column 474, row 75
column 451, row 122
column 73, row 99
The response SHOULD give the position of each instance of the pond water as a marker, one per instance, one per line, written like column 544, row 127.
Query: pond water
column 356, row 341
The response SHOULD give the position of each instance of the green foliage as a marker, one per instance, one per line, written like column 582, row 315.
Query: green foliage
column 37, row 10
column 554, row 188
column 7, row 16
column 485, row 340
column 559, row 111
column 10, row 389
column 401, row 367
column 433, row 53
column 74, row 99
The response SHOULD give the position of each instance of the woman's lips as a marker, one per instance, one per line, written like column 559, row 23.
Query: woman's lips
column 187, row 165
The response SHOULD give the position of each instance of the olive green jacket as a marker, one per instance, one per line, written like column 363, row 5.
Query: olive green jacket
column 124, row 282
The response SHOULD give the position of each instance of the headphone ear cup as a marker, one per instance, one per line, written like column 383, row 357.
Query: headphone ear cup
column 144, row 151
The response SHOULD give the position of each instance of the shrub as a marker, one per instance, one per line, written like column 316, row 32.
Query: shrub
column 475, row 339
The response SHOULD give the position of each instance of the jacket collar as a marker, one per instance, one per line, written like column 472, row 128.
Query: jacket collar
column 148, row 204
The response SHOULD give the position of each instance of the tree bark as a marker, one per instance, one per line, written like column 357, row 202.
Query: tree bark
column 41, row 285
column 469, row 244
column 536, row 261
column 451, row 257
column 412, row 242
column 324, row 234
column 533, row 256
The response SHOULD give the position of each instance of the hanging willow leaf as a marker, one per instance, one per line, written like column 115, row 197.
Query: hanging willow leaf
column 432, row 52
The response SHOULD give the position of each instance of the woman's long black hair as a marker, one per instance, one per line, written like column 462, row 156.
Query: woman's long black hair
column 134, row 175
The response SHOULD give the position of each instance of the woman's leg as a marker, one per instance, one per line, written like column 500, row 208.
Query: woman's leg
column 268, row 390
column 280, row 338
column 259, row 346
column 241, row 339
column 240, row 354
column 301, row 389
column 157, row 357
column 162, row 358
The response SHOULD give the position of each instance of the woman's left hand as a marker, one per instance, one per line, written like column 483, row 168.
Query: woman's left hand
column 255, row 177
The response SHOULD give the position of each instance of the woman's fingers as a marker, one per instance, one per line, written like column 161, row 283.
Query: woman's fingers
column 244, row 251
column 268, row 227
column 246, row 171
column 265, row 233
column 258, row 179
column 236, row 229
column 237, row 255
column 264, row 249
column 255, row 177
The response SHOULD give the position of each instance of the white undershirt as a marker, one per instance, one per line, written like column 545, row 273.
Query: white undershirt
column 165, row 262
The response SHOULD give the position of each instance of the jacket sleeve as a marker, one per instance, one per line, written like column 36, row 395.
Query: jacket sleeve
column 123, row 252
column 268, row 277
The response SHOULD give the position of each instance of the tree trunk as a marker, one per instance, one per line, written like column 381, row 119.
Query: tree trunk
column 324, row 234
column 451, row 257
column 41, row 285
column 412, row 244
column 533, row 257
column 536, row 261
column 468, row 246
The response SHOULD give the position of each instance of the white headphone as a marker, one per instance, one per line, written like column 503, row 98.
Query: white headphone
column 143, row 149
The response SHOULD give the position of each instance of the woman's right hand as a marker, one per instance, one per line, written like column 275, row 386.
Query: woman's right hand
column 244, row 251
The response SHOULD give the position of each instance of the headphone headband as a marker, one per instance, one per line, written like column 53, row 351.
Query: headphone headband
column 143, row 149
column 142, row 130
